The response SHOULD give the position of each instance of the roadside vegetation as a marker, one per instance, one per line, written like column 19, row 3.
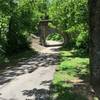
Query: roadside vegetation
column 71, row 78
column 18, row 20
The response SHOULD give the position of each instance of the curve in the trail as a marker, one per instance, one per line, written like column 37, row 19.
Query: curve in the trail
column 30, row 79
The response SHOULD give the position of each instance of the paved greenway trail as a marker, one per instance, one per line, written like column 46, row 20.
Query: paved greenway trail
column 30, row 79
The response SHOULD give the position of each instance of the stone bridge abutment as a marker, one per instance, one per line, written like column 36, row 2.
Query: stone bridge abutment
column 45, row 30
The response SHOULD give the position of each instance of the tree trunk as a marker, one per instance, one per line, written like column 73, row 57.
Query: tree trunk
column 11, row 37
column 94, row 22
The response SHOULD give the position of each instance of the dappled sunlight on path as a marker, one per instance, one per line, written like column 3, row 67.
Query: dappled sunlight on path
column 30, row 79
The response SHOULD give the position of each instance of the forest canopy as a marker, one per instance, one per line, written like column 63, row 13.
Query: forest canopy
column 20, row 18
column 71, row 16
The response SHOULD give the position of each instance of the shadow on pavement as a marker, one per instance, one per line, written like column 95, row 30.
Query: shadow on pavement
column 27, row 66
column 40, row 94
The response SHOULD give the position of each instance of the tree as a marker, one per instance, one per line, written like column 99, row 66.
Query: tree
column 18, row 18
column 6, row 9
column 42, row 7
column 71, row 16
column 94, row 19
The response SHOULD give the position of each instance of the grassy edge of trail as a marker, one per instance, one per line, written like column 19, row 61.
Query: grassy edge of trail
column 71, row 80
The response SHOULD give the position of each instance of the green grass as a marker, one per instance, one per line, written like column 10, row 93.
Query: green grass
column 55, row 37
column 71, row 67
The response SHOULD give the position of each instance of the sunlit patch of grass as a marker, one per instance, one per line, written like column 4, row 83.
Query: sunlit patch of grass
column 65, row 53
column 71, row 68
column 73, row 64
column 62, row 76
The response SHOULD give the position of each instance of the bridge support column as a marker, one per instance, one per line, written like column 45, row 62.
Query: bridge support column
column 43, row 27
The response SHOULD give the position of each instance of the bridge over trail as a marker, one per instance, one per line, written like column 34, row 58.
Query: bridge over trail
column 45, row 30
column 30, row 79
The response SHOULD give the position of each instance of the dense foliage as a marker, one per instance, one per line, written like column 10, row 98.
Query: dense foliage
column 19, row 19
column 71, row 16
